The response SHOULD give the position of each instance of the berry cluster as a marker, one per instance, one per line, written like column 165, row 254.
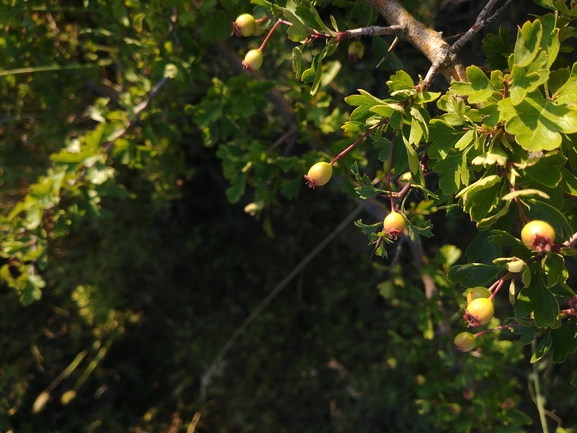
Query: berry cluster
column 536, row 235
column 246, row 25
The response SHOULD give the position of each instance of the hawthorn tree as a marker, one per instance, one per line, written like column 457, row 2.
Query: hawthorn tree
column 493, row 145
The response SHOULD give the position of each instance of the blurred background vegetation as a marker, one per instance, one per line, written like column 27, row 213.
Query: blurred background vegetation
column 155, row 267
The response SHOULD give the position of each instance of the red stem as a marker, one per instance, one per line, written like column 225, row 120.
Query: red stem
column 273, row 28
column 357, row 141
column 498, row 284
column 389, row 170
column 496, row 328
column 260, row 20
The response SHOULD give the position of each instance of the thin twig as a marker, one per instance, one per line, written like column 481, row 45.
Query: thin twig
column 371, row 31
column 215, row 365
column 137, row 110
column 282, row 138
column 571, row 241
column 481, row 22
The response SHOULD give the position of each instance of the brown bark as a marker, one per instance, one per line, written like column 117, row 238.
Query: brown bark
column 426, row 40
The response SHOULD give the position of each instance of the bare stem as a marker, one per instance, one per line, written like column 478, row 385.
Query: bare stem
column 357, row 141
column 498, row 284
column 216, row 364
column 481, row 22
column 270, row 32
column 496, row 328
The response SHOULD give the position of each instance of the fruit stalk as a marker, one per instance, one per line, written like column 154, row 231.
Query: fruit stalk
column 273, row 28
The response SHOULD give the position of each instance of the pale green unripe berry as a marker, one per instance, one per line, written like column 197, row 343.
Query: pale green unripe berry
column 245, row 25
column 253, row 60
column 465, row 341
column 319, row 174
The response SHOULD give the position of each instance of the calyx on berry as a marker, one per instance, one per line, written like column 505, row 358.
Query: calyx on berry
column 465, row 341
column 319, row 174
column 356, row 51
column 479, row 312
column 393, row 225
column 253, row 60
column 538, row 235
column 477, row 292
column 245, row 25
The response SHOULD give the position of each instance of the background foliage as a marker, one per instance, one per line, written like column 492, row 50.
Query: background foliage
column 152, row 195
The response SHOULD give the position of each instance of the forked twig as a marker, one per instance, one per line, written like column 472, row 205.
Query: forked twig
column 481, row 22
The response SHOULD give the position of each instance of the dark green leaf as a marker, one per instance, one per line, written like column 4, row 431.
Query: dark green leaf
column 236, row 189
column 474, row 274
column 537, row 299
column 554, row 267
column 480, row 249
column 503, row 239
column 497, row 49
column 542, row 348
column 564, row 341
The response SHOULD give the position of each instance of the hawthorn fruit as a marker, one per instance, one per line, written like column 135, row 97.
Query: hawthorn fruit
column 538, row 235
column 244, row 25
column 356, row 51
column 477, row 292
column 319, row 174
column 465, row 341
column 253, row 60
column 479, row 312
column 393, row 225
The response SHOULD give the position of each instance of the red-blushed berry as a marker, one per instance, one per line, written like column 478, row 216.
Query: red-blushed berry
column 393, row 225
column 538, row 235
column 253, row 60
column 477, row 292
column 420, row 379
column 356, row 51
column 479, row 312
column 319, row 174
column 245, row 25
column 391, row 363
column 573, row 306
column 465, row 341
column 454, row 408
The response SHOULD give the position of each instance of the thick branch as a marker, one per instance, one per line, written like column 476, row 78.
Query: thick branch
column 425, row 39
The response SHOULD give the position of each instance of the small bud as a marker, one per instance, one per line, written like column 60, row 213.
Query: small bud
column 516, row 265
